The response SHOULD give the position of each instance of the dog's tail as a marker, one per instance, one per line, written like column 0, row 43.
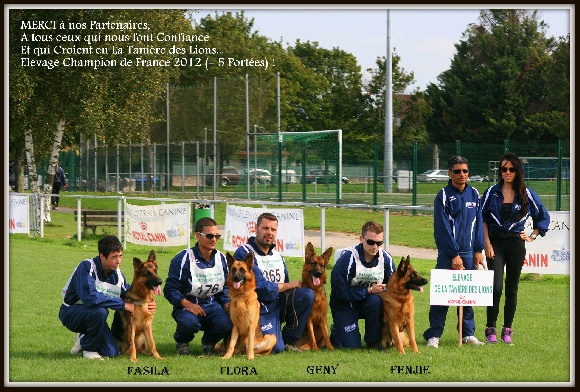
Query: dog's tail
column 266, row 345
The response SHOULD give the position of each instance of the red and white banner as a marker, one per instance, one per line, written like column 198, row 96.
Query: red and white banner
column 550, row 254
column 19, row 214
column 241, row 224
column 157, row 225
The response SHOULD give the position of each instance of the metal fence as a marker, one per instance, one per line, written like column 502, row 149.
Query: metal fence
column 308, row 170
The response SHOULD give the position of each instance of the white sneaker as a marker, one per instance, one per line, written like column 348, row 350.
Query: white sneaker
column 472, row 340
column 77, row 349
column 92, row 355
column 433, row 342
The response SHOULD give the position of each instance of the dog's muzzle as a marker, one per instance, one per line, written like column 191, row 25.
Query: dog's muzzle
column 315, row 277
column 238, row 281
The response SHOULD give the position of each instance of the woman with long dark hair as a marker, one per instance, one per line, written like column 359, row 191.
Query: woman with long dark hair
column 505, row 208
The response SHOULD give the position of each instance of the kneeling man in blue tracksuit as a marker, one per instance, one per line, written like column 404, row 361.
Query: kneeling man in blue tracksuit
column 359, row 275
column 280, row 300
column 95, row 286
column 196, row 287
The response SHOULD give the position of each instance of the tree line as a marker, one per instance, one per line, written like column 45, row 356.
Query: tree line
column 507, row 80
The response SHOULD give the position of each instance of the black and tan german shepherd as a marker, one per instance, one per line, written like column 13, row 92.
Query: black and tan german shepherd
column 246, row 333
column 315, row 334
column 399, row 307
column 132, row 330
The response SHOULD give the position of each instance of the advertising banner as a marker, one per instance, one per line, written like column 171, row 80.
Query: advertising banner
column 157, row 225
column 19, row 214
column 241, row 224
column 550, row 254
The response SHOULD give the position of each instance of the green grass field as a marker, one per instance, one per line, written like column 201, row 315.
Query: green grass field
column 38, row 345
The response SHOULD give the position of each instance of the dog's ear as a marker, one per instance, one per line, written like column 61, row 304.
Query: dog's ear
column 249, row 260
column 137, row 263
column 309, row 251
column 230, row 260
column 326, row 255
column 152, row 256
column 402, row 269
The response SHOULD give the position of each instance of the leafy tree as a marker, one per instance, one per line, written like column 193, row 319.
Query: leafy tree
column 338, row 102
column 305, row 102
column 235, row 50
column 54, row 105
column 506, row 81
column 409, row 110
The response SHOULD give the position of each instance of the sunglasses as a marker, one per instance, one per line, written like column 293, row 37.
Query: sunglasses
column 457, row 171
column 505, row 169
column 211, row 236
column 373, row 242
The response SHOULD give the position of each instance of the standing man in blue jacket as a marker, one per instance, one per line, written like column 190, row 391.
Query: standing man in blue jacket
column 458, row 230
column 281, row 301
column 95, row 286
column 196, row 287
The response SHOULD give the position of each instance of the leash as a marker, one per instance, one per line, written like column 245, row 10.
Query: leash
column 130, row 315
column 293, row 309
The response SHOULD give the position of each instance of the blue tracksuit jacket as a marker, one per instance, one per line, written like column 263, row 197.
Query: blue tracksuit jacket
column 492, row 201
column 178, row 283
column 82, row 286
column 267, row 291
column 458, row 224
column 342, row 294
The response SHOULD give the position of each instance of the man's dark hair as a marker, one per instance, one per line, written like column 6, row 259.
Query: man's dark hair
column 456, row 160
column 266, row 215
column 372, row 226
column 201, row 222
column 108, row 244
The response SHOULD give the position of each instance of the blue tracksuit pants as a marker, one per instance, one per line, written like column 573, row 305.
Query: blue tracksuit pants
column 216, row 324
column 345, row 333
column 92, row 322
column 438, row 313
column 293, row 308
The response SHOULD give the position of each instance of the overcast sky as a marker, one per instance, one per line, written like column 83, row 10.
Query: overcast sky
column 423, row 38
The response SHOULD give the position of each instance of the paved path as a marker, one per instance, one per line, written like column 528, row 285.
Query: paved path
column 343, row 240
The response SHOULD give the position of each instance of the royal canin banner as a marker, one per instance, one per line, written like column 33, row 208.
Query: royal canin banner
column 241, row 224
column 18, row 221
column 550, row 254
column 157, row 225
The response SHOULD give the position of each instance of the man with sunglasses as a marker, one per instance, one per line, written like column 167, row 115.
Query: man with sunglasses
column 196, row 287
column 281, row 300
column 458, row 231
column 359, row 275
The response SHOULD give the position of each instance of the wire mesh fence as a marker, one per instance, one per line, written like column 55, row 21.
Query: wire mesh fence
column 308, row 168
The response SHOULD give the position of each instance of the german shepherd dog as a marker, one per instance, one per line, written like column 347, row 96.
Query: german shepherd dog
column 399, row 307
column 132, row 330
column 245, row 311
column 314, row 276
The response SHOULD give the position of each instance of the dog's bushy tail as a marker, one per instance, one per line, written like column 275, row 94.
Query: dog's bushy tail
column 266, row 345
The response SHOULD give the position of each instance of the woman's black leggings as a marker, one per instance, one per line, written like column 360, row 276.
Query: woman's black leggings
column 509, row 253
